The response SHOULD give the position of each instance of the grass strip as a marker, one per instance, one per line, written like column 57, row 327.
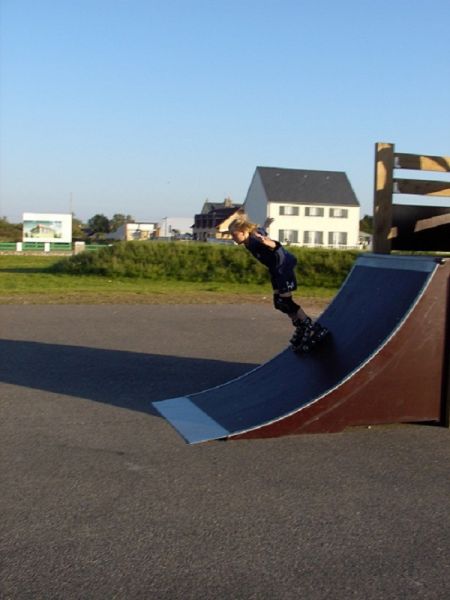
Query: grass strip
column 27, row 280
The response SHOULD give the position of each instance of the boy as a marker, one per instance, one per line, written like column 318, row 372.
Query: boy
column 281, row 266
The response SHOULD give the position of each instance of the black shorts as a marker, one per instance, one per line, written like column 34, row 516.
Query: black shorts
column 283, row 278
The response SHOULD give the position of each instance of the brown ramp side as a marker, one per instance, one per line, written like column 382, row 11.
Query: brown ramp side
column 406, row 381
column 385, row 362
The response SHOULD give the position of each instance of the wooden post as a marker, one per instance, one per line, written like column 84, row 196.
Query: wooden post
column 382, row 206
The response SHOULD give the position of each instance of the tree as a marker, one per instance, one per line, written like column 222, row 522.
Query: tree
column 366, row 224
column 118, row 220
column 77, row 229
column 10, row 232
column 99, row 224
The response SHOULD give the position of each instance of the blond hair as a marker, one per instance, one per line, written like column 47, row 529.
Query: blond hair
column 242, row 223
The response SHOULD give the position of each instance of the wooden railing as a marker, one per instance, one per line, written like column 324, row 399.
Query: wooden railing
column 386, row 161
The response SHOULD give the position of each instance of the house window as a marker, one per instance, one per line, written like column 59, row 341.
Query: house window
column 291, row 211
column 337, row 238
column 314, row 238
column 288, row 236
column 339, row 213
column 314, row 211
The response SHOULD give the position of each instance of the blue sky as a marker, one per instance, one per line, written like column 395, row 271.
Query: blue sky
column 149, row 107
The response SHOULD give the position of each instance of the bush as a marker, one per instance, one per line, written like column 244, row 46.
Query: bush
column 10, row 232
column 204, row 262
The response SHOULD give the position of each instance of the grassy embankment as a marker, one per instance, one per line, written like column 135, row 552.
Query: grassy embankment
column 163, row 273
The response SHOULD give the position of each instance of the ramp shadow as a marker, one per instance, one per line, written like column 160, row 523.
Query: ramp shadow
column 126, row 379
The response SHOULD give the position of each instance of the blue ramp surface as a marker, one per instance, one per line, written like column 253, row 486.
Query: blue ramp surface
column 371, row 306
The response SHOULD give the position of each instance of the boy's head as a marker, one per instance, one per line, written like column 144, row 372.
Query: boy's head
column 240, row 229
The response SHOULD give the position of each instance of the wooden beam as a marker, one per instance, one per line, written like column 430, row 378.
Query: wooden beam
column 422, row 163
column 382, row 203
column 421, row 187
column 432, row 222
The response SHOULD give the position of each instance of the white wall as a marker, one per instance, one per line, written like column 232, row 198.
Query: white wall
column 133, row 231
column 139, row 231
column 325, row 224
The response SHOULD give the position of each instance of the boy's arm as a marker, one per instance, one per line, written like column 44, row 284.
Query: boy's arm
column 268, row 222
column 261, row 235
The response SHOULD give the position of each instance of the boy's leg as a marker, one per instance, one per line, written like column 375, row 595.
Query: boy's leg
column 306, row 332
column 298, row 313
column 285, row 304
column 284, row 283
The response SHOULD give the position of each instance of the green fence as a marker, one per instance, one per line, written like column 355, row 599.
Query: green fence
column 91, row 247
column 41, row 247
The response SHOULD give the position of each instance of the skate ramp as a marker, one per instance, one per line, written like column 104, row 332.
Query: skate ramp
column 373, row 368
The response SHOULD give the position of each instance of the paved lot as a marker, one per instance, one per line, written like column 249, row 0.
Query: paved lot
column 102, row 499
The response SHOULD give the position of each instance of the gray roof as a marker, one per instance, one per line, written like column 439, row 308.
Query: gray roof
column 303, row 186
column 209, row 206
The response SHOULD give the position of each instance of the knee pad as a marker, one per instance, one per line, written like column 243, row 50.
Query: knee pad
column 285, row 304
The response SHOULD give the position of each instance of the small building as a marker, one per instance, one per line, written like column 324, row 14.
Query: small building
column 309, row 208
column 209, row 223
column 134, row 231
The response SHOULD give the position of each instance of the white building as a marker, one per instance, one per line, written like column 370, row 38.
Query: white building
column 167, row 228
column 134, row 231
column 309, row 208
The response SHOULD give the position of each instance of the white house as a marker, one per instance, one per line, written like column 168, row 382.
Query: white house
column 134, row 231
column 309, row 208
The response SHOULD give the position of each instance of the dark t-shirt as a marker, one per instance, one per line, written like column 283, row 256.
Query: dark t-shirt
column 272, row 258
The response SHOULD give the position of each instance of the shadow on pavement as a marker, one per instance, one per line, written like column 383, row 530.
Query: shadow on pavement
column 127, row 379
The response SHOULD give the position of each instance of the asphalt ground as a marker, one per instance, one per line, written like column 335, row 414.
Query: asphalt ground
column 101, row 498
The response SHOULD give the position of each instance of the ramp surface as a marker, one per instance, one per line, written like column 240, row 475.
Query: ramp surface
column 377, row 299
